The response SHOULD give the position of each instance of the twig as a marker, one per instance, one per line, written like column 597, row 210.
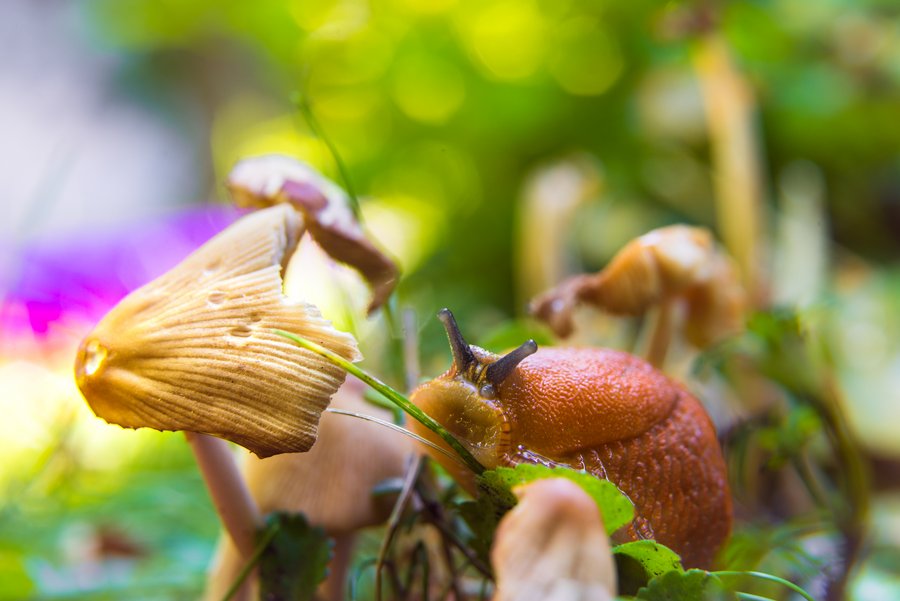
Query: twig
column 432, row 516
column 410, row 349
column 412, row 474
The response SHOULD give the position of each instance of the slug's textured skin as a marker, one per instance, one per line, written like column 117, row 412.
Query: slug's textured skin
column 613, row 415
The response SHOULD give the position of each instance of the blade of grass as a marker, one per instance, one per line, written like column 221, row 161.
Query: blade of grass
column 770, row 578
column 264, row 540
column 392, row 395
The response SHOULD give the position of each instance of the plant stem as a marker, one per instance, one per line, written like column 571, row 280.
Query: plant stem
column 412, row 474
column 392, row 395
column 251, row 562
column 229, row 493
column 736, row 166
column 770, row 578
column 410, row 349
column 315, row 127
column 660, row 335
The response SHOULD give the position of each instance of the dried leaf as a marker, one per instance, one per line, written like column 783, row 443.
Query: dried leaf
column 195, row 349
column 267, row 180
column 675, row 262
column 553, row 545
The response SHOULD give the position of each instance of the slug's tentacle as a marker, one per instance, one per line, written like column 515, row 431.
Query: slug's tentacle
column 497, row 372
column 463, row 357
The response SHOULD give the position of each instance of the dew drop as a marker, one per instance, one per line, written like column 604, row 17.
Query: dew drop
column 94, row 356
column 241, row 331
column 215, row 298
column 211, row 269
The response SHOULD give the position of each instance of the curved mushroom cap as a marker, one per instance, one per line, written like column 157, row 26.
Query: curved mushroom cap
column 674, row 262
column 266, row 180
column 553, row 545
column 195, row 349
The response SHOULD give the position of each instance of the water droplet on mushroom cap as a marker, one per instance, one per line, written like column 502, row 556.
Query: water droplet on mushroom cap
column 91, row 358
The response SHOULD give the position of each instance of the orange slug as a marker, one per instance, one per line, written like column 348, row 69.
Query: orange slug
column 603, row 411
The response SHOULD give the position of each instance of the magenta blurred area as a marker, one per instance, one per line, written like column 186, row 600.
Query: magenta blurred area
column 99, row 186
column 51, row 287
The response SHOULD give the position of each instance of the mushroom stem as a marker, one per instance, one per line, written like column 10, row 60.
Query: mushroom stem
column 229, row 493
column 660, row 335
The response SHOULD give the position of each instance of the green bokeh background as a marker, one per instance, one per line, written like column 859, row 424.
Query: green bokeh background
column 442, row 110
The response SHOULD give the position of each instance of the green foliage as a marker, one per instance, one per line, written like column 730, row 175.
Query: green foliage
column 638, row 562
column 495, row 498
column 295, row 561
column 616, row 509
column 692, row 585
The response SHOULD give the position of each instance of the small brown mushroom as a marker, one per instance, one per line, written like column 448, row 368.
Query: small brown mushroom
column 553, row 545
column 678, row 263
column 272, row 179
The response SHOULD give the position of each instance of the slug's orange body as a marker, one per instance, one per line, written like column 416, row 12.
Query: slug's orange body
column 604, row 411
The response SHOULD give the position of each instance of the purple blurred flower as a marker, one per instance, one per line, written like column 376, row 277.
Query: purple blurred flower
column 80, row 278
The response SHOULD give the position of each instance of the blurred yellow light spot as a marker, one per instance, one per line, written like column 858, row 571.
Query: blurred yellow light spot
column 429, row 7
column 427, row 88
column 246, row 127
column 345, row 103
column 409, row 228
column 330, row 18
column 362, row 57
column 586, row 60
column 507, row 38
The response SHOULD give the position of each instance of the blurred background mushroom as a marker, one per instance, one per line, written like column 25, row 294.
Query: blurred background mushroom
column 677, row 271
column 332, row 485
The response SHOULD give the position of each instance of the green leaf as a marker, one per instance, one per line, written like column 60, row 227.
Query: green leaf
column 295, row 561
column 616, row 509
column 640, row 561
column 693, row 585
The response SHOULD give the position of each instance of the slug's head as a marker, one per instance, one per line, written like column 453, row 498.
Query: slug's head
column 467, row 399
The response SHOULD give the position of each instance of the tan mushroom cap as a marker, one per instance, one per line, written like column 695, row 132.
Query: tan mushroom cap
column 677, row 262
column 195, row 349
column 553, row 545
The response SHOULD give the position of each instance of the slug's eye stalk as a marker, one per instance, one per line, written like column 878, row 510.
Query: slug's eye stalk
column 503, row 367
column 463, row 357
